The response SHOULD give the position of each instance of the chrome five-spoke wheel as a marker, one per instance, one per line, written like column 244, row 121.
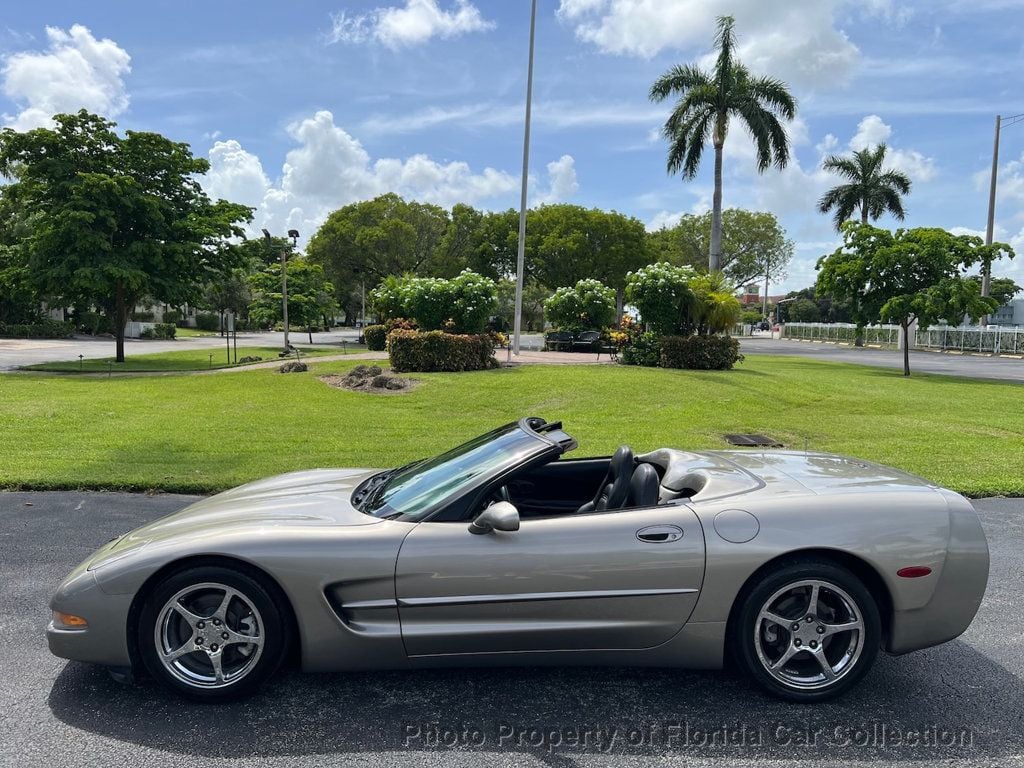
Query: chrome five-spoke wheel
column 807, row 631
column 209, row 635
column 213, row 632
column 809, row 634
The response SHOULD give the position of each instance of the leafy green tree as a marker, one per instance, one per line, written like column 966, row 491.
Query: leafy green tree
column 803, row 311
column 588, row 305
column 912, row 275
column 20, row 302
column 116, row 218
column 754, row 244
column 362, row 243
column 707, row 101
column 1002, row 289
column 230, row 293
column 311, row 299
column 534, row 296
column 870, row 190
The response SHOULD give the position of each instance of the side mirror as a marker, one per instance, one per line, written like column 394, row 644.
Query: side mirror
column 501, row 516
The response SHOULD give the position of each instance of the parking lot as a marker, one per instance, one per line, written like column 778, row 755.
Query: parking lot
column 960, row 702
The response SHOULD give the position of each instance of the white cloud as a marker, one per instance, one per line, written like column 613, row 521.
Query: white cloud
column 414, row 23
column 76, row 71
column 562, row 182
column 873, row 130
column 796, row 40
column 329, row 168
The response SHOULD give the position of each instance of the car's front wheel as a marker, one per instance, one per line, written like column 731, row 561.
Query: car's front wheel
column 212, row 633
column 808, row 631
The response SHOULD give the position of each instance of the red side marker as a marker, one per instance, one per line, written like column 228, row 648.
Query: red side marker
column 914, row 571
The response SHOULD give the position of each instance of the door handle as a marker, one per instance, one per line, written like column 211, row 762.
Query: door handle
column 657, row 534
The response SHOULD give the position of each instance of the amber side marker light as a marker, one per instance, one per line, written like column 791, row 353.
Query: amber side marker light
column 68, row 621
column 914, row 571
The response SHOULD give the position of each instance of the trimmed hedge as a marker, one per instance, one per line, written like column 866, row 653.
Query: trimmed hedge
column 208, row 321
column 376, row 337
column 43, row 329
column 703, row 353
column 440, row 351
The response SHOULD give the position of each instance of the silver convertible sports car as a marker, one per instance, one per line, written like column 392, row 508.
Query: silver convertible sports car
column 796, row 567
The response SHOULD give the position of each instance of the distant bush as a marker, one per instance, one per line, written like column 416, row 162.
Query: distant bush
column 208, row 321
column 642, row 349
column 702, row 353
column 376, row 337
column 159, row 331
column 173, row 316
column 142, row 317
column 440, row 351
column 41, row 329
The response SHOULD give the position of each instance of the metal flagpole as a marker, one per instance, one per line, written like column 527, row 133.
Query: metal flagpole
column 521, row 256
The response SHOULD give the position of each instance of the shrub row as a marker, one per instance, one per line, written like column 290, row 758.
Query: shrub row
column 702, row 353
column 43, row 329
column 160, row 331
column 440, row 351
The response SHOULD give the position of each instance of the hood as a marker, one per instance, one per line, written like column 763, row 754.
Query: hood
column 310, row 497
column 823, row 472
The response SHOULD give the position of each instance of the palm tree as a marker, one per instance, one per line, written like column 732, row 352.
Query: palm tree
column 871, row 190
column 707, row 101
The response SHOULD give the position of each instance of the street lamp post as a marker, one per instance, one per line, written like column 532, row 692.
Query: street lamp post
column 294, row 235
column 521, row 255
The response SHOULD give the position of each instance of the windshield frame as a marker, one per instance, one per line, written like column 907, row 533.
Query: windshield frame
column 542, row 443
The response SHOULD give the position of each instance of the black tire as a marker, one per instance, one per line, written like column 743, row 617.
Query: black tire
column 749, row 633
column 264, row 611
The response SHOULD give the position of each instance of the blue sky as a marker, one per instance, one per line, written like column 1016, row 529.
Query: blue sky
column 307, row 106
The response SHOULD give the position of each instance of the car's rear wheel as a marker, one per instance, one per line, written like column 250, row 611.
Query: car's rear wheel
column 809, row 631
column 212, row 633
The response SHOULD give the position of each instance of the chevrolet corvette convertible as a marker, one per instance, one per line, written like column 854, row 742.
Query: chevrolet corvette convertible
column 796, row 567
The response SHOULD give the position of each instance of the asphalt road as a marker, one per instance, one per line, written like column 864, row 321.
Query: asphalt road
column 961, row 702
column 970, row 366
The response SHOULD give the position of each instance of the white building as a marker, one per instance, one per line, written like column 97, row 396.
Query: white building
column 1011, row 313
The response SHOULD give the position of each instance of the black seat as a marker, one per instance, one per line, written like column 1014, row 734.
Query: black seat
column 643, row 487
column 614, row 489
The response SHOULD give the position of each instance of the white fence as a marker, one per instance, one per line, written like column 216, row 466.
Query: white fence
column 966, row 338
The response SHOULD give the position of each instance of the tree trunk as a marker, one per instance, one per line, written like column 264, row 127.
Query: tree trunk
column 715, row 255
column 309, row 330
column 619, row 301
column 906, row 347
column 120, row 318
column 864, row 212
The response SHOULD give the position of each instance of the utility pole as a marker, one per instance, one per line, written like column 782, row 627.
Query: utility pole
column 294, row 235
column 521, row 257
column 986, row 271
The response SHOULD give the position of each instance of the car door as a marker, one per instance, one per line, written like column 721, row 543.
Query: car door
column 625, row 579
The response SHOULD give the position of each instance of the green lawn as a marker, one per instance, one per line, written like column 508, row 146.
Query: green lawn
column 183, row 360
column 203, row 433
column 193, row 333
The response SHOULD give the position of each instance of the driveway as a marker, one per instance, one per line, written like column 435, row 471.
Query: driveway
column 970, row 366
column 958, row 703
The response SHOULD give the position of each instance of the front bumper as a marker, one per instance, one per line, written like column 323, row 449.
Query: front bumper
column 105, row 639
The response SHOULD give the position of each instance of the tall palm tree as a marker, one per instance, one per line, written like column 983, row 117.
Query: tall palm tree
column 871, row 190
column 707, row 101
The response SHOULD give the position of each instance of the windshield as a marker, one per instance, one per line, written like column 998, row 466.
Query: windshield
column 414, row 490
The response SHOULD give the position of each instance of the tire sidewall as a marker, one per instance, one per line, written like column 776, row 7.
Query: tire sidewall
column 275, row 629
column 743, row 637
